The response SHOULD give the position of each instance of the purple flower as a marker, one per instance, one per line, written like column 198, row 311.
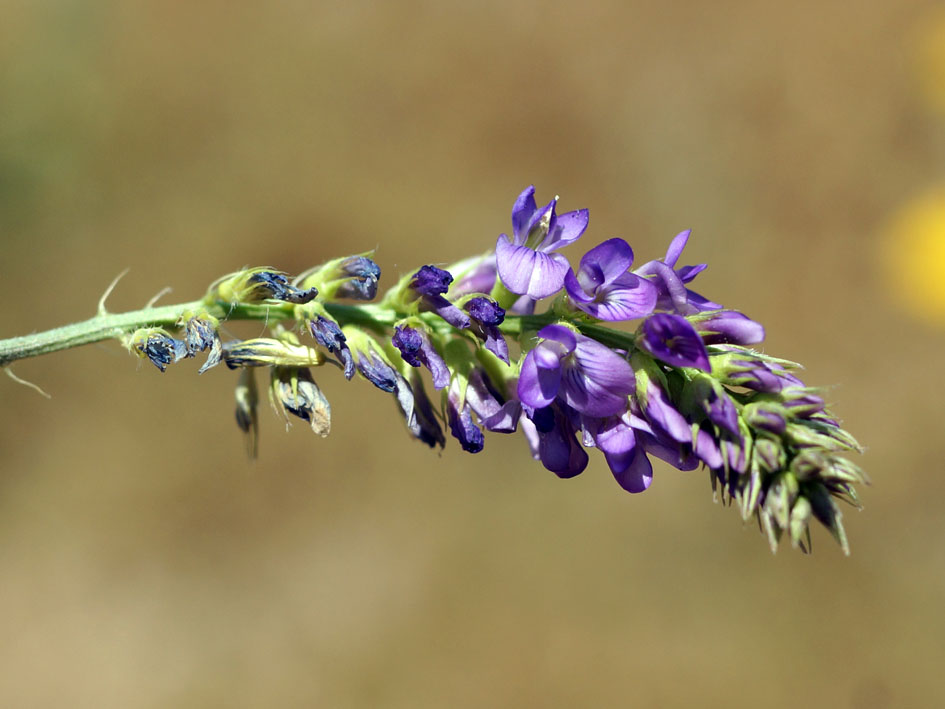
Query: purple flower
column 417, row 350
column 627, row 460
column 657, row 406
column 673, row 340
column 429, row 284
column 727, row 327
column 327, row 333
column 605, row 289
column 581, row 372
column 670, row 281
column 459, row 416
column 376, row 370
column 553, row 439
column 486, row 317
column 526, row 263
column 487, row 404
column 418, row 412
column 360, row 278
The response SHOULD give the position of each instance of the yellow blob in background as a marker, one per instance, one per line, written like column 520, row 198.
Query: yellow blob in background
column 914, row 255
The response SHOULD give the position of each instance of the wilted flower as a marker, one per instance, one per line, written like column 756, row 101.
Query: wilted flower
column 268, row 351
column 254, row 285
column 293, row 391
column 200, row 333
column 157, row 346
column 327, row 333
column 352, row 277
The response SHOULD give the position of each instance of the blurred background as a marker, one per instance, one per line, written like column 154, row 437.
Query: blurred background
column 146, row 563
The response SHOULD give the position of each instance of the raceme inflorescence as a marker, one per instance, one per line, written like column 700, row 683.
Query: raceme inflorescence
column 681, row 383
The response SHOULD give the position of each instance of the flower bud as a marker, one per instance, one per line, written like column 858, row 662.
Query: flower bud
column 727, row 327
column 267, row 351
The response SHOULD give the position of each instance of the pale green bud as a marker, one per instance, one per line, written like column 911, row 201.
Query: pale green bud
column 268, row 351
column 247, row 399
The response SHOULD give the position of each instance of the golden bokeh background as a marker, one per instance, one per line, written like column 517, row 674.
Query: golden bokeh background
column 146, row 563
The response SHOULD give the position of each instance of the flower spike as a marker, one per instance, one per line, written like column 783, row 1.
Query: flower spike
column 676, row 380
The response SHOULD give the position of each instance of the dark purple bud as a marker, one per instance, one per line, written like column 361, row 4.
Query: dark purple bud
column 377, row 371
column 486, row 316
column 417, row 351
column 327, row 333
column 276, row 285
column 485, row 311
column 409, row 341
column 673, row 340
column 430, row 280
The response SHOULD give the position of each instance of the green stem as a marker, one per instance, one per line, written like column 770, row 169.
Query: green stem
column 377, row 318
column 109, row 326
column 101, row 327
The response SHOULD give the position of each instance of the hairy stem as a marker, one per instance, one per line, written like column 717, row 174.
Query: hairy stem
column 101, row 327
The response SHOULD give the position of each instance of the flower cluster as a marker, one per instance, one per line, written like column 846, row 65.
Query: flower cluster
column 681, row 383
